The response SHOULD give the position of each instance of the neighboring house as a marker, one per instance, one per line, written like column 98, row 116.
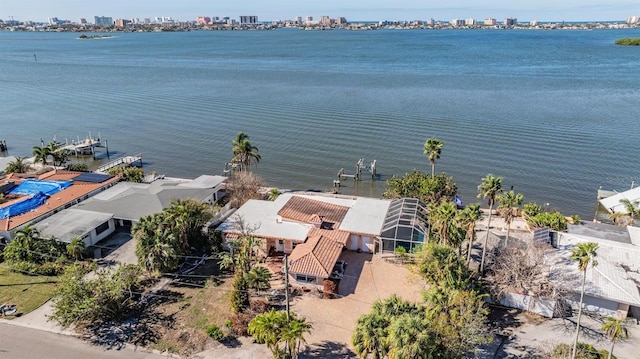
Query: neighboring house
column 128, row 201
column 314, row 228
column 37, row 204
column 123, row 204
column 611, row 200
column 613, row 286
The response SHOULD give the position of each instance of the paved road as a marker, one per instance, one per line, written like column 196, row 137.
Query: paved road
column 18, row 342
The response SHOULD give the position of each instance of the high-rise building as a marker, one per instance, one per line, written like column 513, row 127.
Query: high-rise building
column 470, row 22
column 298, row 20
column 510, row 21
column 490, row 21
column 341, row 20
column 325, row 21
column 248, row 20
column 103, row 20
column 308, row 20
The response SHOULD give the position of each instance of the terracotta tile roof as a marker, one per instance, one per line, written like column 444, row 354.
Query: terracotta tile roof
column 307, row 210
column 339, row 236
column 57, row 201
column 317, row 256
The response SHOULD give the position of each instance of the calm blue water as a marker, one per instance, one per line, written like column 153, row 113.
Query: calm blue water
column 553, row 112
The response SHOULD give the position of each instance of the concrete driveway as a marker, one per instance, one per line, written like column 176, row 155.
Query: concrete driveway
column 367, row 278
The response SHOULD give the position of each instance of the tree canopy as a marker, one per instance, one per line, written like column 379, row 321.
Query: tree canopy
column 420, row 185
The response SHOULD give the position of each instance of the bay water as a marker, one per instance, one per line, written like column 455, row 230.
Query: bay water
column 553, row 112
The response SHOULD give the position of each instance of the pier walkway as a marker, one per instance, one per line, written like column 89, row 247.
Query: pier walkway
column 127, row 160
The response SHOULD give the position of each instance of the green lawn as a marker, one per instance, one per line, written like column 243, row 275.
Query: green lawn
column 25, row 291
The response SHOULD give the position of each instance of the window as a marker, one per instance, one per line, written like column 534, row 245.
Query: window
column 101, row 228
column 305, row 278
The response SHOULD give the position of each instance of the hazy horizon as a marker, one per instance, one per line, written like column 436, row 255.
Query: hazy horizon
column 356, row 10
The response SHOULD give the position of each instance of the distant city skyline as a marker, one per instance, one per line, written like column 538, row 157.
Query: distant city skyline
column 354, row 10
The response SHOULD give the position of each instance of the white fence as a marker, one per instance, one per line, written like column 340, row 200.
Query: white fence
column 539, row 306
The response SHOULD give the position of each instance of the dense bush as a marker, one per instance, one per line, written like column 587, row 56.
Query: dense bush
column 555, row 220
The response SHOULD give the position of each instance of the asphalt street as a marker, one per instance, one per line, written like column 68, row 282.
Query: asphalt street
column 17, row 342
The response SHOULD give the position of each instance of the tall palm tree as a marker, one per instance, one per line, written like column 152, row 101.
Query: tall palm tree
column 615, row 329
column 433, row 149
column 489, row 188
column 244, row 152
column 76, row 248
column 509, row 203
column 585, row 254
column 468, row 218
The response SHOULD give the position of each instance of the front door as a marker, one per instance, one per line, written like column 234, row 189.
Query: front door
column 280, row 245
column 354, row 242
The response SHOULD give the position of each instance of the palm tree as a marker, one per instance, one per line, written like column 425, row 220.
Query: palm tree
column 509, row 203
column 489, row 188
column 468, row 218
column 244, row 152
column 27, row 237
column 615, row 329
column 443, row 219
column 409, row 337
column 273, row 194
column 293, row 334
column 585, row 254
column 370, row 336
column 155, row 244
column 266, row 329
column 76, row 247
column 41, row 154
column 258, row 278
column 17, row 166
column 433, row 149
column 631, row 210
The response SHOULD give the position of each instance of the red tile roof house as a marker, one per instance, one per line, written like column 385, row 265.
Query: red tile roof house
column 313, row 228
column 83, row 186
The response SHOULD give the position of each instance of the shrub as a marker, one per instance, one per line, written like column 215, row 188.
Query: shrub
column 555, row 221
column 240, row 324
column 215, row 333
column 259, row 306
column 575, row 219
column 584, row 351
column 78, row 167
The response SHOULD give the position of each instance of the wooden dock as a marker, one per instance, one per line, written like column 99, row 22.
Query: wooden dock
column 357, row 176
column 122, row 161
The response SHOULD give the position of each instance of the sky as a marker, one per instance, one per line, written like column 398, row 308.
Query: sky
column 374, row 10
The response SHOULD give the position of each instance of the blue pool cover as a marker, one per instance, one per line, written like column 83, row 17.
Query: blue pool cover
column 38, row 192
column 36, row 186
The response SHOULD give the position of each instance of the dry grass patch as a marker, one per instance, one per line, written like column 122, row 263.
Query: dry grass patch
column 25, row 291
column 192, row 313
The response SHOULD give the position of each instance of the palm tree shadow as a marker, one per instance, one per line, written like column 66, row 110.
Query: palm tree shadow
column 327, row 349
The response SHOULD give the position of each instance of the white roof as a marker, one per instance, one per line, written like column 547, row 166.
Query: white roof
column 613, row 205
column 261, row 217
column 366, row 216
column 204, row 181
column 71, row 223
column 613, row 277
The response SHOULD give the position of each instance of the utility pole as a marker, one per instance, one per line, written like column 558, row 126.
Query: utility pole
column 286, row 283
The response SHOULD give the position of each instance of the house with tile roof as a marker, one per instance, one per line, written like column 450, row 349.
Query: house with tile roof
column 45, row 195
column 613, row 286
column 314, row 228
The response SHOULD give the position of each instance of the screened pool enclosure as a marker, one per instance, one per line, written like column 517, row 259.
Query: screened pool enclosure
column 406, row 225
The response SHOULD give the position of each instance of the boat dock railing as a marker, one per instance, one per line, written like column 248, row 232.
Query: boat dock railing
column 127, row 160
